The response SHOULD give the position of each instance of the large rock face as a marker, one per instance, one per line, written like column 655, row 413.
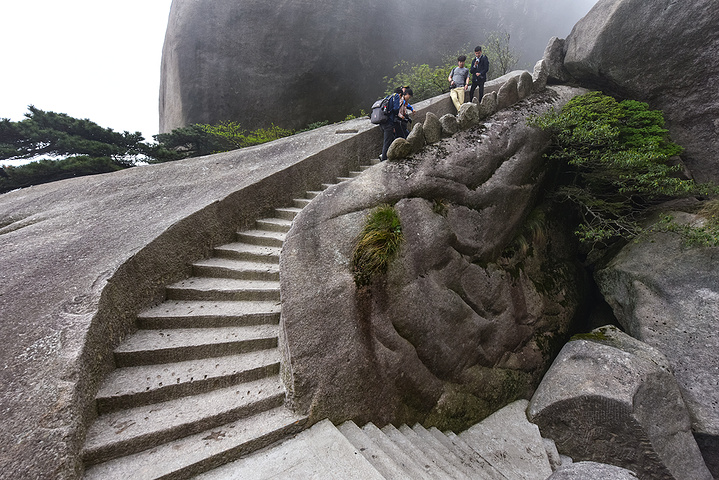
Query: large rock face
column 667, row 295
column 456, row 329
column 292, row 63
column 611, row 398
column 665, row 53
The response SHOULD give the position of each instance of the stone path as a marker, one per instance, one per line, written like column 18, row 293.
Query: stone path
column 198, row 384
column 505, row 446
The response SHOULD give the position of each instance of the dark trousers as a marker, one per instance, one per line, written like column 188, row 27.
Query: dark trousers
column 388, row 129
column 476, row 85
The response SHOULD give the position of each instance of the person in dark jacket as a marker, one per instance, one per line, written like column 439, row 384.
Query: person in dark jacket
column 391, row 126
column 478, row 73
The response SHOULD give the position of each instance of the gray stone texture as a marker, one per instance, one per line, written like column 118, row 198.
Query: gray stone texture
column 662, row 52
column 432, row 128
column 299, row 62
column 416, row 137
column 81, row 257
column 400, row 148
column 508, row 94
column 612, row 399
column 554, row 61
column 488, row 105
column 449, row 332
column 468, row 116
column 450, row 126
column 592, row 471
column 667, row 295
column 524, row 85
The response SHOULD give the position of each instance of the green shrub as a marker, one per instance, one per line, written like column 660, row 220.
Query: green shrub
column 618, row 159
column 377, row 245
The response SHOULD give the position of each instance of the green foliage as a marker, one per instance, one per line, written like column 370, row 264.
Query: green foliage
column 619, row 159
column 426, row 81
column 65, row 147
column 502, row 57
column 53, row 134
column 44, row 171
column 377, row 245
column 701, row 234
column 202, row 139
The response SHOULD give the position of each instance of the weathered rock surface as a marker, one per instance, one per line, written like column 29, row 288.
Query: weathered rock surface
column 432, row 128
column 610, row 398
column 667, row 295
column 665, row 53
column 80, row 258
column 592, row 471
column 298, row 62
column 508, row 94
column 454, row 330
column 449, row 124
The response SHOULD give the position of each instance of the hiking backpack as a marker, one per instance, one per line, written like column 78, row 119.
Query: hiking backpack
column 380, row 111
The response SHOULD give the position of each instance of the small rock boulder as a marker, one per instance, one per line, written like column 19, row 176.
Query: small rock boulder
column 399, row 149
column 468, row 116
column 450, row 126
column 524, row 85
column 508, row 94
column 592, row 471
column 488, row 106
column 610, row 398
column 539, row 76
column 432, row 128
column 416, row 138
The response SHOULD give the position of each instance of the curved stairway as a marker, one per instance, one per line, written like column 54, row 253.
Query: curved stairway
column 504, row 446
column 198, row 384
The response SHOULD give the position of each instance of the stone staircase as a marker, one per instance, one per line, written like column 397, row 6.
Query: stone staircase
column 198, row 384
column 504, row 446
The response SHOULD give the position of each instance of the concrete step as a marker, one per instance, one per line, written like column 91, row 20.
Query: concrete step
column 239, row 269
column 481, row 468
column 449, row 467
column 344, row 179
column 319, row 453
column 202, row 314
column 136, row 386
column 274, row 224
column 415, row 453
column 301, row 202
column 288, row 213
column 379, row 458
column 451, row 455
column 354, row 174
column 513, row 445
column 405, row 461
column 146, row 347
column 131, row 431
column 265, row 238
column 202, row 451
column 310, row 194
column 325, row 186
column 244, row 251
column 366, row 167
column 201, row 288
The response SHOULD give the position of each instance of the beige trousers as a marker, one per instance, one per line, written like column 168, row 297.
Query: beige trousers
column 457, row 96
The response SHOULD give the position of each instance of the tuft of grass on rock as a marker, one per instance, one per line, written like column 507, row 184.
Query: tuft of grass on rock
column 377, row 245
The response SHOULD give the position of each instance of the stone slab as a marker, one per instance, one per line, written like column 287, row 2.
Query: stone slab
column 320, row 453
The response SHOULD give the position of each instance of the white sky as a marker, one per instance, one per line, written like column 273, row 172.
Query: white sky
column 94, row 59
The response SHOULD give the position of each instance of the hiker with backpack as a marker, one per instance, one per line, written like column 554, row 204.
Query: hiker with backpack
column 405, row 109
column 478, row 72
column 458, row 81
column 390, row 124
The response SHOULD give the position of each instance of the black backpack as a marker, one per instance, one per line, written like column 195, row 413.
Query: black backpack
column 380, row 111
